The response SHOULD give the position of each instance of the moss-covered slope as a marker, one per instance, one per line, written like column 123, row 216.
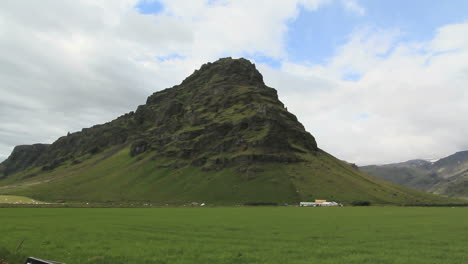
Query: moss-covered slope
column 221, row 136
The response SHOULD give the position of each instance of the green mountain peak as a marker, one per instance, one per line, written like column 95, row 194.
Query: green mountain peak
column 239, row 71
column 221, row 136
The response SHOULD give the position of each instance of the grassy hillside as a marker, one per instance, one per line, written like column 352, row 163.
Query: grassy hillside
column 418, row 178
column 115, row 176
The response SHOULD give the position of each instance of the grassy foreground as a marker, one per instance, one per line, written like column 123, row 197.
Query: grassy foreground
column 236, row 235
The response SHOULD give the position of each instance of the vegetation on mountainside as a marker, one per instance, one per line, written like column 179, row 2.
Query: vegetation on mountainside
column 119, row 178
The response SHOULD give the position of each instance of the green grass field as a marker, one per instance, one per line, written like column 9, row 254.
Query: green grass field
column 236, row 235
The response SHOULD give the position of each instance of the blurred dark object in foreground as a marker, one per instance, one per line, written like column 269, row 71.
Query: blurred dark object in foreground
column 32, row 260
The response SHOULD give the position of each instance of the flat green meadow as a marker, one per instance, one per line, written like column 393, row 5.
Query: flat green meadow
column 236, row 235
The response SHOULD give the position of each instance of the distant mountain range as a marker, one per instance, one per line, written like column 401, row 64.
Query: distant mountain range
column 447, row 176
column 221, row 137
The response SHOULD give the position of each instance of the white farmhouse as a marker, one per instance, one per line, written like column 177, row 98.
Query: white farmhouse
column 319, row 203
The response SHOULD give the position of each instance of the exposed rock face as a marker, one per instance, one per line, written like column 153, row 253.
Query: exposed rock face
column 221, row 115
column 22, row 157
column 138, row 147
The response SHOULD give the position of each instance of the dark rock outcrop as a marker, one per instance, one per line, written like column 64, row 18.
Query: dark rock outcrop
column 23, row 156
column 221, row 115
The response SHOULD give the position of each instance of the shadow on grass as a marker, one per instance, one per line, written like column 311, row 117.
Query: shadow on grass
column 7, row 257
column 11, row 258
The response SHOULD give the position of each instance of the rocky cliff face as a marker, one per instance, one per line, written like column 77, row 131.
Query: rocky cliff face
column 22, row 157
column 221, row 115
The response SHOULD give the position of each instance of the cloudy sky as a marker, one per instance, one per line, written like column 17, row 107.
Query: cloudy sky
column 373, row 81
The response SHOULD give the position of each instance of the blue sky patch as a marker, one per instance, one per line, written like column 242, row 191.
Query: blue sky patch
column 354, row 77
column 168, row 57
column 416, row 18
column 364, row 116
column 149, row 7
column 216, row 2
column 314, row 36
column 274, row 63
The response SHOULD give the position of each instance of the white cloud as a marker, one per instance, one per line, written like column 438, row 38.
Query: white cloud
column 354, row 7
column 314, row 4
column 238, row 27
column 445, row 41
column 410, row 102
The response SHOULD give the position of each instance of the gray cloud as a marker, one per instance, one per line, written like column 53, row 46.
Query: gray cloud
column 412, row 103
